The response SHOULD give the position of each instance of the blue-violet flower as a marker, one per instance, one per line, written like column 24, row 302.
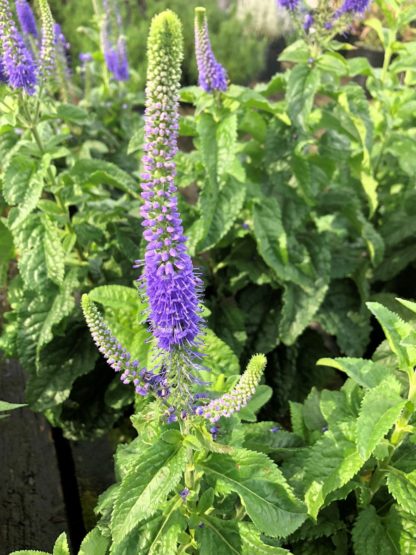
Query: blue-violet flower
column 26, row 18
column 212, row 76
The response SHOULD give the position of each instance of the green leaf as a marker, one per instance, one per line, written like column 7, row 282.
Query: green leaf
column 333, row 460
column 6, row 252
column 271, row 238
column 268, row 438
column 395, row 329
column 302, row 86
column 30, row 195
column 380, row 409
column 62, row 306
column 54, row 252
column 264, row 492
column 402, row 486
column 225, row 210
column 219, row 357
column 146, row 486
column 166, row 539
column 72, row 114
column 61, row 546
column 94, row 543
column 5, row 406
column 401, row 527
column 29, row 552
column 17, row 178
column 115, row 296
column 100, row 172
column 226, row 135
column 365, row 372
column 370, row 536
column 252, row 543
column 218, row 536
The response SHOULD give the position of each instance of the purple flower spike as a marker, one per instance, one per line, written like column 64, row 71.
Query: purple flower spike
column 3, row 76
column 114, row 43
column 290, row 5
column 26, row 18
column 18, row 63
column 170, row 281
column 212, row 76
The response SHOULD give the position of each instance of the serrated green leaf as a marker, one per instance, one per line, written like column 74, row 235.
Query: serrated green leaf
column 265, row 494
column 225, row 210
column 401, row 527
column 72, row 113
column 333, row 460
column 17, row 178
column 269, row 438
column 402, row 486
column 252, row 543
column 395, row 329
column 365, row 372
column 101, row 172
column 116, row 296
column 6, row 252
column 219, row 357
column 53, row 249
column 31, row 194
column 302, row 86
column 218, row 536
column 370, row 536
column 146, row 485
column 61, row 546
column 380, row 409
column 62, row 306
column 166, row 539
column 94, row 543
column 29, row 552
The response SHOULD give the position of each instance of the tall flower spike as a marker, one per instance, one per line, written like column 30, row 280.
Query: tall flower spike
column 19, row 66
column 169, row 278
column 117, row 357
column 212, row 76
column 114, row 43
column 26, row 18
column 47, row 45
column 238, row 397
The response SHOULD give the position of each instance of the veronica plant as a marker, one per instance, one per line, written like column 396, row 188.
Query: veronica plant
column 180, row 404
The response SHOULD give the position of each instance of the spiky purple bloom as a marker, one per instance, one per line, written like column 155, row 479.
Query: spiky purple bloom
column 170, row 281
column 290, row 5
column 211, row 74
column 353, row 6
column 26, row 18
column 19, row 65
column 239, row 396
column 114, row 43
column 62, row 47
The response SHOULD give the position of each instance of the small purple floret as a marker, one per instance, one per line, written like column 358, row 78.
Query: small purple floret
column 288, row 4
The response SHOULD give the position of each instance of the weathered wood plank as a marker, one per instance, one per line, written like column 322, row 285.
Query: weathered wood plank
column 32, row 512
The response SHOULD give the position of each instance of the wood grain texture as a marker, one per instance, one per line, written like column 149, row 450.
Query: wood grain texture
column 32, row 512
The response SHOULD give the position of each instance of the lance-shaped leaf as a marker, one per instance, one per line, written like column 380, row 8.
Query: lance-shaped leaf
column 264, row 492
column 402, row 486
column 147, row 485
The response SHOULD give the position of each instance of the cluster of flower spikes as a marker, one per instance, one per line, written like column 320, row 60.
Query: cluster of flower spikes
column 26, row 18
column 114, row 43
column 119, row 358
column 169, row 279
column 47, row 54
column 239, row 396
column 211, row 74
column 19, row 67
